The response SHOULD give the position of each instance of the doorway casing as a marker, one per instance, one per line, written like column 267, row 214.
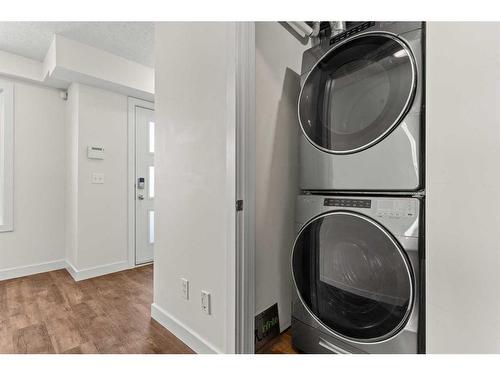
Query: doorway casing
column 245, row 141
column 132, row 104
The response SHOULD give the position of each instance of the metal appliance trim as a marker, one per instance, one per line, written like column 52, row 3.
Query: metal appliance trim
column 331, row 347
column 371, row 193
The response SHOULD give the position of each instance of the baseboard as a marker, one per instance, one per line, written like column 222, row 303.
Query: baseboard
column 71, row 269
column 183, row 333
column 32, row 269
column 88, row 273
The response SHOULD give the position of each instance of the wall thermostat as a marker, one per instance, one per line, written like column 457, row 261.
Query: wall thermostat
column 95, row 152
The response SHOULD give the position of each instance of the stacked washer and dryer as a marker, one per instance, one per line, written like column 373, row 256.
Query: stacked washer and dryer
column 358, row 259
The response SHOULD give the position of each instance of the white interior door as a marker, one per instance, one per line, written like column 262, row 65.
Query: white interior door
column 144, row 185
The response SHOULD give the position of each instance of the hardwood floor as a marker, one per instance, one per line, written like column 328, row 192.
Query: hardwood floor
column 280, row 345
column 51, row 313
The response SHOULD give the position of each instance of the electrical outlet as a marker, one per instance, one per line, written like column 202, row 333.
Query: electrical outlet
column 205, row 302
column 185, row 288
column 98, row 178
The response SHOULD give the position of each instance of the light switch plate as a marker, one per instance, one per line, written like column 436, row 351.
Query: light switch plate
column 205, row 302
column 185, row 288
column 98, row 178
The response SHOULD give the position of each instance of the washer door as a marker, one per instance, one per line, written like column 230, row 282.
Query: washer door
column 357, row 93
column 353, row 276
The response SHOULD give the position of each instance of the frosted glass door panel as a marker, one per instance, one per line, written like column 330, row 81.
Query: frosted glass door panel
column 145, row 192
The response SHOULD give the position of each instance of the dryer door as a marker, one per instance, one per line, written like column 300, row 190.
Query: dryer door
column 353, row 276
column 357, row 93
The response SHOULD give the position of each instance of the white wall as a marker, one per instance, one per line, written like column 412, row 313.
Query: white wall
column 278, row 63
column 58, row 214
column 68, row 61
column 72, row 61
column 71, row 165
column 20, row 67
column 97, row 214
column 191, row 205
column 102, row 214
column 463, row 194
column 2, row 111
column 39, row 189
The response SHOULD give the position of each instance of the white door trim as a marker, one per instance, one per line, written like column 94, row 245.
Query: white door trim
column 231, row 249
column 242, row 157
column 245, row 111
column 132, row 103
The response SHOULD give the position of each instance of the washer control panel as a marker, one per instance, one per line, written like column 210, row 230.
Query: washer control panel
column 396, row 208
column 348, row 202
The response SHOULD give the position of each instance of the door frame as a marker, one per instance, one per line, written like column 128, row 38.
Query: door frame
column 243, row 264
column 132, row 104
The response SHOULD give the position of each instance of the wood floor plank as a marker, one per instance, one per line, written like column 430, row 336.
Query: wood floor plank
column 33, row 339
column 70, row 291
column 65, row 332
column 51, row 313
column 280, row 345
column 6, row 337
column 85, row 348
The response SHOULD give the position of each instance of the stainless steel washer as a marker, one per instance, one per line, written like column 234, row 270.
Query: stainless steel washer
column 361, row 110
column 356, row 266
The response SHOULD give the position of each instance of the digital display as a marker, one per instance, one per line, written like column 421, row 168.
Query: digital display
column 351, row 31
column 341, row 202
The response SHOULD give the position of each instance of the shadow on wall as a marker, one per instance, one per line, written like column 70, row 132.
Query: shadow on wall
column 282, row 188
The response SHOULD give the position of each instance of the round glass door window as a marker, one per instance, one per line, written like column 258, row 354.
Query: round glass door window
column 357, row 93
column 353, row 277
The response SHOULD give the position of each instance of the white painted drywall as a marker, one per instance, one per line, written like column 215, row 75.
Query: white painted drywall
column 78, row 62
column 58, row 214
column 102, row 208
column 278, row 62
column 68, row 61
column 96, row 226
column 12, row 65
column 2, row 157
column 463, row 194
column 39, row 189
column 71, row 170
column 191, row 205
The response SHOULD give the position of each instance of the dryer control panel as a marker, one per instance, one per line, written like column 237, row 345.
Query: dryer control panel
column 348, row 202
column 396, row 208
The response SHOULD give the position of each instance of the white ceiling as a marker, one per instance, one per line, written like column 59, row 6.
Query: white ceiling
column 132, row 40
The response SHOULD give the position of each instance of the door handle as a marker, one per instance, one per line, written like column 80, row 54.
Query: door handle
column 140, row 197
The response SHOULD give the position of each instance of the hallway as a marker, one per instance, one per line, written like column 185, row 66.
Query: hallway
column 51, row 313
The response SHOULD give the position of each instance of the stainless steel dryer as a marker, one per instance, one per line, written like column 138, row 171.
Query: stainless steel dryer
column 361, row 109
column 356, row 266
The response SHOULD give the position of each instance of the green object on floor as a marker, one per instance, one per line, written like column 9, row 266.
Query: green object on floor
column 267, row 326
